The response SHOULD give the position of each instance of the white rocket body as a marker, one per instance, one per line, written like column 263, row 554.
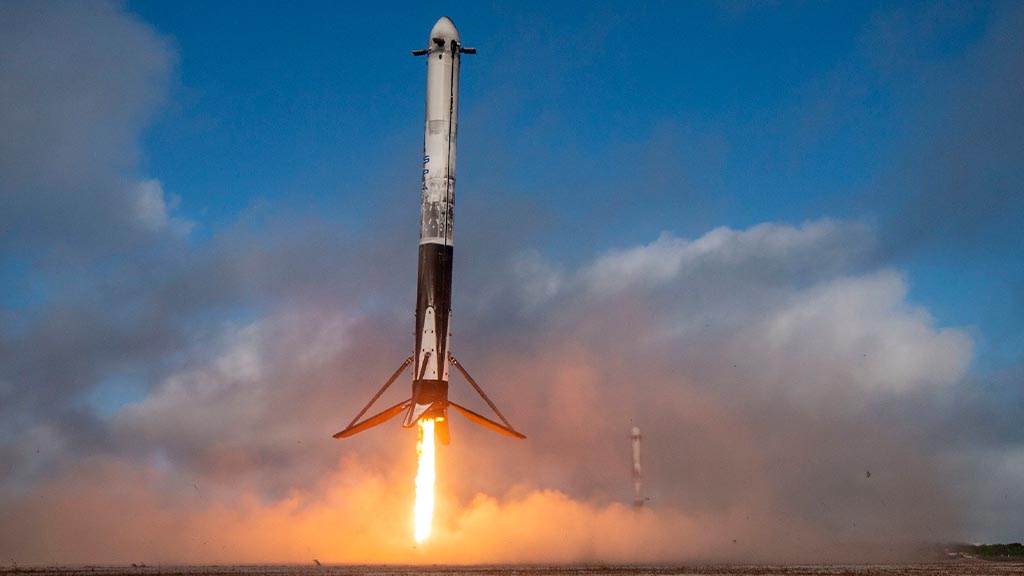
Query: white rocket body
column 439, row 134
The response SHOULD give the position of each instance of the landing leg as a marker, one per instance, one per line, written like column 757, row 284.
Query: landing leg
column 353, row 428
column 477, row 418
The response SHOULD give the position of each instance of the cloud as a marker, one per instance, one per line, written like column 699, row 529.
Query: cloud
column 150, row 517
column 768, row 367
column 82, row 229
column 854, row 331
column 757, row 416
column 152, row 209
column 794, row 251
column 78, row 81
column 256, row 401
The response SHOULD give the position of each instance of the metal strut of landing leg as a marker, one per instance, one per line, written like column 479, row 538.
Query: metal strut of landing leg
column 380, row 417
column 423, row 368
column 476, row 418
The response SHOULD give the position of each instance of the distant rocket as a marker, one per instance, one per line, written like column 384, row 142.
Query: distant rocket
column 638, row 498
column 432, row 353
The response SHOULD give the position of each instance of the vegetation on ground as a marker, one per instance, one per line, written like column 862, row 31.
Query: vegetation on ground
column 1014, row 551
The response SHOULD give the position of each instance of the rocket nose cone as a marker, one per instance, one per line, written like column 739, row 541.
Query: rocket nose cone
column 444, row 28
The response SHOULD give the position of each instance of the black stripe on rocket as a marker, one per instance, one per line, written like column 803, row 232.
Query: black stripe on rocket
column 433, row 306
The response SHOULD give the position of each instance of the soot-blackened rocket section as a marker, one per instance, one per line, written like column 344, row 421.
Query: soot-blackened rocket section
column 432, row 351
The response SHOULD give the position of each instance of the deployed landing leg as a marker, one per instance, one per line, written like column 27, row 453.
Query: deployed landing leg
column 436, row 407
column 507, row 429
column 381, row 417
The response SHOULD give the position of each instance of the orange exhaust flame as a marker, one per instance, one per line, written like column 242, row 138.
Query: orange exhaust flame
column 423, row 511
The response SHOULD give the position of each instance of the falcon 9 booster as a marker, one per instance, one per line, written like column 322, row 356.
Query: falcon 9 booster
column 432, row 351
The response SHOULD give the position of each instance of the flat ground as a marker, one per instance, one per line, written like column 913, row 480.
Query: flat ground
column 965, row 568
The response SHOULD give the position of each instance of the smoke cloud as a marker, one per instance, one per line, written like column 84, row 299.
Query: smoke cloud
column 176, row 402
column 760, row 420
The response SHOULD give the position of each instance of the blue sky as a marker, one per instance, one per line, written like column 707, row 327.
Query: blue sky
column 782, row 237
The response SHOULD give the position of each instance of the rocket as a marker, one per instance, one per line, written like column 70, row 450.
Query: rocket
column 638, row 499
column 432, row 354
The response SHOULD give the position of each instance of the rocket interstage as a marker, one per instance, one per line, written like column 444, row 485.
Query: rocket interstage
column 432, row 356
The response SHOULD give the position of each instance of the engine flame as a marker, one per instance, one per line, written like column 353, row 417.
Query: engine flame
column 423, row 511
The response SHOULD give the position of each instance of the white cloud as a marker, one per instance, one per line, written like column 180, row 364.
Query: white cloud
column 78, row 82
column 775, row 305
column 192, row 403
column 763, row 248
column 152, row 209
column 766, row 406
column 852, row 333
column 236, row 392
column 537, row 279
